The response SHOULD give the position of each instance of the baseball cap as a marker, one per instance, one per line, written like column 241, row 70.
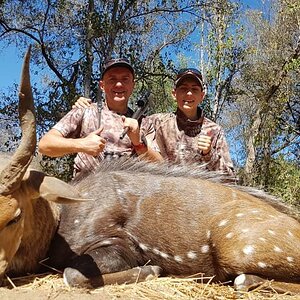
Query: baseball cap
column 189, row 72
column 117, row 62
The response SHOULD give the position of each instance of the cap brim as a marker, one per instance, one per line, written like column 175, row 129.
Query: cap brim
column 178, row 81
column 119, row 64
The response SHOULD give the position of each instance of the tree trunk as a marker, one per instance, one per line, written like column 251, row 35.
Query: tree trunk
column 88, row 52
column 251, row 148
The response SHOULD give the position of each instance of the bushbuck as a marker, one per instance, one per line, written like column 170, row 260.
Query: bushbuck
column 133, row 220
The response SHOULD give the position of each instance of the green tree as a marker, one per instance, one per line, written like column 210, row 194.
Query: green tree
column 285, row 177
column 267, row 92
column 222, row 47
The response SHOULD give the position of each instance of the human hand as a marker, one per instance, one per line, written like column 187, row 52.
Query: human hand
column 82, row 102
column 133, row 129
column 204, row 144
column 93, row 144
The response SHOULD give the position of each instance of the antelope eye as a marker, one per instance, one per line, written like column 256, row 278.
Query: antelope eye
column 16, row 219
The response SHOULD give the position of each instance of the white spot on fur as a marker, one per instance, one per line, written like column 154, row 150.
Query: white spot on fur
column 290, row 259
column 164, row 255
column 105, row 243
column 143, row 247
column 255, row 211
column 208, row 234
column 229, row 235
column 223, row 223
column 240, row 215
column 272, row 216
column 204, row 248
column 277, row 249
column 271, row 232
column 262, row 264
column 234, row 195
column 262, row 239
column 156, row 251
column 178, row 258
column 249, row 249
column 290, row 234
column 245, row 230
column 76, row 221
column 192, row 254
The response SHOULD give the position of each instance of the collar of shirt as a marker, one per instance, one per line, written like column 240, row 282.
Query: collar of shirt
column 190, row 128
column 128, row 114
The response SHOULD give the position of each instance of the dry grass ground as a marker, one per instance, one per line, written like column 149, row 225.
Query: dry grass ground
column 49, row 286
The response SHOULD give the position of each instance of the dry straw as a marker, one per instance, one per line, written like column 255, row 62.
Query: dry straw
column 160, row 288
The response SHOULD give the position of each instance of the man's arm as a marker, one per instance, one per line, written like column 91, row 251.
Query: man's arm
column 54, row 144
column 148, row 152
column 142, row 147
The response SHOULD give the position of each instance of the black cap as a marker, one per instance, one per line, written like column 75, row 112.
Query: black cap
column 189, row 72
column 117, row 62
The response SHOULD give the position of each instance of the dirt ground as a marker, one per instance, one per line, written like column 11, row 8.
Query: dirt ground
column 52, row 287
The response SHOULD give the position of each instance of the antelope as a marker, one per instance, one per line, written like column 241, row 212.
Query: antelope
column 132, row 220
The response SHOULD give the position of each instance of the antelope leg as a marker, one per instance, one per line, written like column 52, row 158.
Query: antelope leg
column 74, row 278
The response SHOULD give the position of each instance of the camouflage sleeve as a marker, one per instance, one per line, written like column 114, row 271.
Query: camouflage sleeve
column 147, row 129
column 70, row 124
column 219, row 157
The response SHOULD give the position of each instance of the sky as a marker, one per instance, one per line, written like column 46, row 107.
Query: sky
column 11, row 58
column 10, row 66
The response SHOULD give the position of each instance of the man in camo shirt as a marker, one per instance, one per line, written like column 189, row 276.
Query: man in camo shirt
column 187, row 136
column 79, row 130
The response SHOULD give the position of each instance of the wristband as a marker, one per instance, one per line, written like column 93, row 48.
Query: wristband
column 142, row 145
column 139, row 147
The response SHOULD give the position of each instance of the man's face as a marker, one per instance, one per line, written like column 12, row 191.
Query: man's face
column 189, row 95
column 117, row 84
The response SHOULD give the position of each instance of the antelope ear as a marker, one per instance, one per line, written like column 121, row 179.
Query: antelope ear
column 52, row 189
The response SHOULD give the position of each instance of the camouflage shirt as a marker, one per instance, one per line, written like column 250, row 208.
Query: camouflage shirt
column 177, row 139
column 79, row 122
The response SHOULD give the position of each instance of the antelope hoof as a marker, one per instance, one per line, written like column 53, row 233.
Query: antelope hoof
column 151, row 272
column 74, row 278
column 245, row 282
